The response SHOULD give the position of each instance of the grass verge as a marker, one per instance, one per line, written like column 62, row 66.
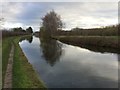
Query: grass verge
column 24, row 75
column 6, row 46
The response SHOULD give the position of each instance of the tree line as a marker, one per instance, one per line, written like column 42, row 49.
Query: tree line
column 16, row 31
column 105, row 31
column 52, row 26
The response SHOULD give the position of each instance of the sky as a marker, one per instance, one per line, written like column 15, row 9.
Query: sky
column 73, row 14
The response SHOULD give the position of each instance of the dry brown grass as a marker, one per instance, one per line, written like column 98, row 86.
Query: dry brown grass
column 102, row 41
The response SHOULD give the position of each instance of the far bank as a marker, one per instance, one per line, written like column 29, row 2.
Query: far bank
column 100, row 41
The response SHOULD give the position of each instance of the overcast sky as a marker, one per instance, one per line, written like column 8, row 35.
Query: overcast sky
column 73, row 14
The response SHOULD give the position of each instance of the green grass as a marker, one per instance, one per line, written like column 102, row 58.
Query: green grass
column 6, row 46
column 24, row 75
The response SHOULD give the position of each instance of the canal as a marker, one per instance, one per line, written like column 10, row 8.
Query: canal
column 60, row 65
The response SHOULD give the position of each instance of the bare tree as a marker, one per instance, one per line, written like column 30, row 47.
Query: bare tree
column 52, row 22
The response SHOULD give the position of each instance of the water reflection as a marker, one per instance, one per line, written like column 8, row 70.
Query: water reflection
column 51, row 50
column 95, row 48
column 77, row 68
column 28, row 38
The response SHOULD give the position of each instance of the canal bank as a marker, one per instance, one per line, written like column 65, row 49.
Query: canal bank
column 24, row 76
column 99, row 41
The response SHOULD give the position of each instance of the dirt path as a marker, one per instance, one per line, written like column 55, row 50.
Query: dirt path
column 8, row 74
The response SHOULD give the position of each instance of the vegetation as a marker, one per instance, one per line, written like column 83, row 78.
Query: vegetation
column 16, row 31
column 102, row 41
column 103, row 37
column 23, row 74
column 52, row 26
column 51, row 23
column 6, row 46
column 105, row 31
column 13, row 32
column 19, row 30
column 29, row 30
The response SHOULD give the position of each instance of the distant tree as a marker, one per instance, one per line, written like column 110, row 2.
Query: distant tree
column 18, row 29
column 52, row 22
column 29, row 30
column 23, row 31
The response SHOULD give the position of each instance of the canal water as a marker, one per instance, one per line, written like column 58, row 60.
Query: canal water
column 60, row 65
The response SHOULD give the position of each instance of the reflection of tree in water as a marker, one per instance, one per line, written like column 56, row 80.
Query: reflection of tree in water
column 51, row 50
column 28, row 38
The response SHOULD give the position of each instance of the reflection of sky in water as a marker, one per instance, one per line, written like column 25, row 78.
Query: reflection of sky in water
column 77, row 67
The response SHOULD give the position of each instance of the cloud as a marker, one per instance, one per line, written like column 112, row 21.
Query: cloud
column 73, row 14
column 60, row 1
column 8, row 25
column 88, row 14
column 11, row 10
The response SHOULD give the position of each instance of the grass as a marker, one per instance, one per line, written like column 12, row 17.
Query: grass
column 24, row 75
column 6, row 46
column 102, row 41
